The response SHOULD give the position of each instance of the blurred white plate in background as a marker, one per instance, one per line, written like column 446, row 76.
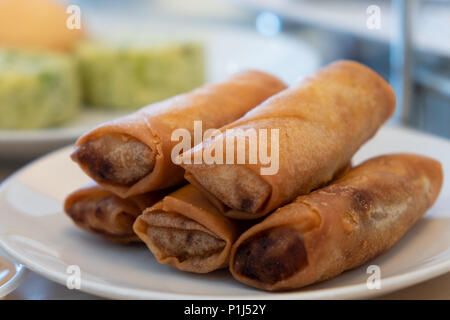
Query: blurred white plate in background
column 228, row 50
column 37, row 233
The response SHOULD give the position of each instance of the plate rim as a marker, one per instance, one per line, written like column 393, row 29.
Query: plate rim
column 353, row 291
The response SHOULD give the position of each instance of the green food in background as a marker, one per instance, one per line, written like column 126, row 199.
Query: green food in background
column 37, row 89
column 127, row 76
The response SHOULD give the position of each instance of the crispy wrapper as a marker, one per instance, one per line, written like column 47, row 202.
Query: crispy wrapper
column 94, row 209
column 338, row 227
column 186, row 231
column 321, row 123
column 132, row 155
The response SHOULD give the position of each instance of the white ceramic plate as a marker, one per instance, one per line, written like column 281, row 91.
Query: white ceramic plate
column 35, row 232
column 11, row 275
column 227, row 51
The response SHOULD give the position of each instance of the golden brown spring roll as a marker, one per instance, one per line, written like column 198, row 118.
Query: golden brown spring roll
column 99, row 211
column 132, row 155
column 186, row 231
column 322, row 122
column 338, row 227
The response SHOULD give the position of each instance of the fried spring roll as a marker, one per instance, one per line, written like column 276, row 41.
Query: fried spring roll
column 94, row 209
column 132, row 155
column 187, row 232
column 322, row 122
column 338, row 227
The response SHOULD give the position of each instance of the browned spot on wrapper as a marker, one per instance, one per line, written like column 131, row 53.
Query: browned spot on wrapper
column 272, row 255
column 99, row 212
column 362, row 201
column 246, row 204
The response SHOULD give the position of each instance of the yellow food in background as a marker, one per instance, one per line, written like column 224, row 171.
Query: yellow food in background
column 37, row 24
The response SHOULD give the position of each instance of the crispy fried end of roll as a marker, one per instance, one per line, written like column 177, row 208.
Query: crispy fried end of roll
column 133, row 154
column 99, row 211
column 186, row 231
column 116, row 158
column 322, row 122
column 338, row 227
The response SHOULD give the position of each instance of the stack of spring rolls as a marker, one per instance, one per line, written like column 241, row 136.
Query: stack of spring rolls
column 304, row 217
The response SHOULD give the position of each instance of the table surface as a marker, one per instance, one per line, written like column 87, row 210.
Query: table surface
column 36, row 287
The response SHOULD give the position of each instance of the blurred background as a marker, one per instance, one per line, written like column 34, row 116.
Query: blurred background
column 66, row 65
